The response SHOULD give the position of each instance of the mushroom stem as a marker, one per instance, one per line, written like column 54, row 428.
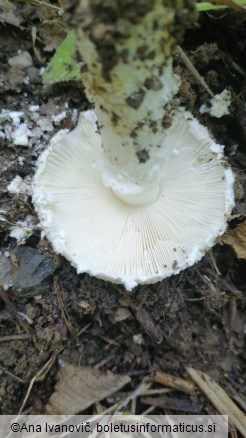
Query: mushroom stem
column 127, row 55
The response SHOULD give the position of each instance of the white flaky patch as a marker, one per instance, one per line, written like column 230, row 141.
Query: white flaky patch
column 219, row 105
column 107, row 238
column 21, row 135
column 19, row 185
column 22, row 229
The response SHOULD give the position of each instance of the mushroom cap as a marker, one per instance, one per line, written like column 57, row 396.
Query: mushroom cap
column 103, row 236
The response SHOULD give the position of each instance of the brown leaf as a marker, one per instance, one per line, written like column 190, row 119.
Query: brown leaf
column 78, row 388
column 121, row 314
column 237, row 240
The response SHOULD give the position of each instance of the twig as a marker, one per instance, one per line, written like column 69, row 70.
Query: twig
column 133, row 406
column 105, row 360
column 149, row 410
column 158, row 391
column 193, row 70
column 112, row 408
column 232, row 63
column 214, row 265
column 49, row 5
column 109, row 341
column 233, row 433
column 83, row 330
column 183, row 385
column 39, row 376
column 134, row 394
column 219, row 398
column 240, row 399
column 23, row 337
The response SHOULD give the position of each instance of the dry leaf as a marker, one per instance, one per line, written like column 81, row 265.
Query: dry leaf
column 219, row 398
column 121, row 314
column 78, row 388
column 237, row 240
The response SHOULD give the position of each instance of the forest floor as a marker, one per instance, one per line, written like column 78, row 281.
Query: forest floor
column 48, row 313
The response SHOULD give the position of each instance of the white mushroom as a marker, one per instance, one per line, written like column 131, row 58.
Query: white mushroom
column 124, row 197
column 123, row 239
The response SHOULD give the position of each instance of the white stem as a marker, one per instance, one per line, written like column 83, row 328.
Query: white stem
column 130, row 104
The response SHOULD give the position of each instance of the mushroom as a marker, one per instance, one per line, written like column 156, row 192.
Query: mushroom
column 137, row 191
column 133, row 239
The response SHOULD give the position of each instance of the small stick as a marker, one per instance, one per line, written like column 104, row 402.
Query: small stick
column 143, row 386
column 214, row 265
column 105, row 360
column 109, row 341
column 183, row 385
column 149, row 410
column 159, row 391
column 23, row 337
column 193, row 70
column 39, row 377
column 133, row 406
column 219, row 399
column 83, row 330
column 41, row 3
column 111, row 408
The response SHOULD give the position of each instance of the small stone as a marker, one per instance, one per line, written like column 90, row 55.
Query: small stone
column 33, row 74
column 24, row 60
column 32, row 270
column 138, row 339
column 31, row 311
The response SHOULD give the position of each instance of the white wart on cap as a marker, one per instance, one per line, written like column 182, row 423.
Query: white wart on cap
column 111, row 238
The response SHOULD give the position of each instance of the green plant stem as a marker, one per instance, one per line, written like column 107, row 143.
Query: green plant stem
column 206, row 6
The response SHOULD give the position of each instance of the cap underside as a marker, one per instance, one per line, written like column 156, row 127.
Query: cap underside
column 108, row 239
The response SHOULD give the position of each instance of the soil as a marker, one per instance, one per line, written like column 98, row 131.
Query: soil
column 195, row 318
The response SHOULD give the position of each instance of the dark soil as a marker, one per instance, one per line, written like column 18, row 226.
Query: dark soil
column 196, row 318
